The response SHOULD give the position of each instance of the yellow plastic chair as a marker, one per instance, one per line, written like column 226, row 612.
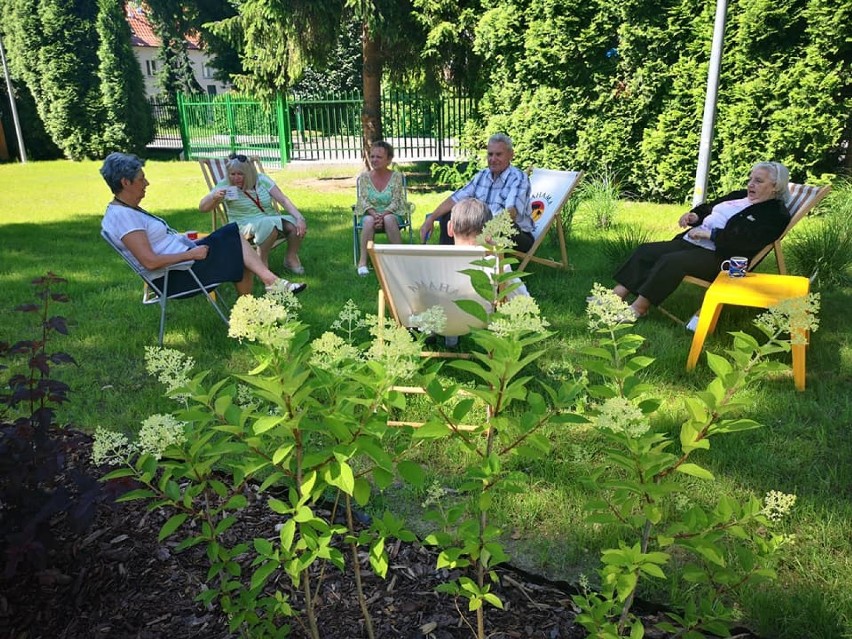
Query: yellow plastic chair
column 760, row 290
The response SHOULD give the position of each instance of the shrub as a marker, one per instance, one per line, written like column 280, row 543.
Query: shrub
column 34, row 450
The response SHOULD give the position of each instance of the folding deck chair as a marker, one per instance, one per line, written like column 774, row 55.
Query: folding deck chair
column 152, row 294
column 414, row 278
column 549, row 191
column 803, row 199
column 356, row 221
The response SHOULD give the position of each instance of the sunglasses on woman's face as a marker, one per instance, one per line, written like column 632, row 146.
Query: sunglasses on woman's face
column 238, row 156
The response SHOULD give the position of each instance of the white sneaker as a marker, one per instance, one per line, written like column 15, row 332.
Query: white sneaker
column 692, row 324
column 363, row 271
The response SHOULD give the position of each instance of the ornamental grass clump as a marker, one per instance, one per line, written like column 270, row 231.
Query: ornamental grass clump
column 638, row 483
column 305, row 427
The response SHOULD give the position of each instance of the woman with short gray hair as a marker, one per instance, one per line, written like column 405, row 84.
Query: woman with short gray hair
column 152, row 245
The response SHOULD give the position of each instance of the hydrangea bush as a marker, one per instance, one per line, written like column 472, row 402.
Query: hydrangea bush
column 308, row 427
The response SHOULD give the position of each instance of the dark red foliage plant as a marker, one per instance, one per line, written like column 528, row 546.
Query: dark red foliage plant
column 39, row 490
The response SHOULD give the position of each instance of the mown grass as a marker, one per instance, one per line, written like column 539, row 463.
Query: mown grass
column 49, row 220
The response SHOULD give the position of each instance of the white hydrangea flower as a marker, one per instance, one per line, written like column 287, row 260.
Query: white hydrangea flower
column 620, row 415
column 110, row 447
column 519, row 314
column 796, row 316
column 158, row 432
column 349, row 320
column 394, row 348
column 606, row 310
column 432, row 320
column 263, row 320
column 498, row 232
column 245, row 397
column 170, row 367
column 776, row 505
column 330, row 351
column 282, row 295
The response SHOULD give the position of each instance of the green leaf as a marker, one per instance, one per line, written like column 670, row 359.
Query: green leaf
column 412, row 472
column 174, row 522
column 362, row 491
column 266, row 423
column 695, row 470
column 474, row 308
column 718, row 364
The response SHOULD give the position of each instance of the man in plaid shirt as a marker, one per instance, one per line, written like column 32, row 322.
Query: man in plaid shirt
column 500, row 186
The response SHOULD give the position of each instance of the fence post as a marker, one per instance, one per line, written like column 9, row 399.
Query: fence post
column 232, row 124
column 183, row 126
column 282, row 115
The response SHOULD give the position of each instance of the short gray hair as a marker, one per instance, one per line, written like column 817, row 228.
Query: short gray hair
column 779, row 174
column 118, row 166
column 469, row 216
column 502, row 138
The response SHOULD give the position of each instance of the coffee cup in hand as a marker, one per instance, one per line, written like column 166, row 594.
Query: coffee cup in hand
column 736, row 266
column 232, row 193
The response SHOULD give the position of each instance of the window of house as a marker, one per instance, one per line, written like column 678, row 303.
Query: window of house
column 151, row 67
column 206, row 71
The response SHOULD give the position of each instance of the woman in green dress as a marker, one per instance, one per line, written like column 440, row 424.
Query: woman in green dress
column 381, row 200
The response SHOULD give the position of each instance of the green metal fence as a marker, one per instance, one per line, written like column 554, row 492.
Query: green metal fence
column 329, row 129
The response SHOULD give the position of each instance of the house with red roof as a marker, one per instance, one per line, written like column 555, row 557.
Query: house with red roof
column 146, row 46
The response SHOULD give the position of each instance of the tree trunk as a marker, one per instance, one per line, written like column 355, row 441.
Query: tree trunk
column 371, row 112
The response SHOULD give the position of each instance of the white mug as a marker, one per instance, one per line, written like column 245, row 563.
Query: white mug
column 232, row 193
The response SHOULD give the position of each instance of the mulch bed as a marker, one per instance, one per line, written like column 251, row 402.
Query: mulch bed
column 116, row 581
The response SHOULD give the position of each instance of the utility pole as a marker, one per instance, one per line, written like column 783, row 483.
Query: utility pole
column 21, row 149
column 699, row 193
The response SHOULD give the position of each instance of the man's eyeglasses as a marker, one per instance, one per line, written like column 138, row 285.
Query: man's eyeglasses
column 238, row 156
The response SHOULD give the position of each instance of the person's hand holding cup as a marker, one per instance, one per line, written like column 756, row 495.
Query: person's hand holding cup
column 736, row 266
column 232, row 193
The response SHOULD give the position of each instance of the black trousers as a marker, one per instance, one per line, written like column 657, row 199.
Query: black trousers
column 655, row 270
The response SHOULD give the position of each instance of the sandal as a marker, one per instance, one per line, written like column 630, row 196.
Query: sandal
column 298, row 269
column 284, row 285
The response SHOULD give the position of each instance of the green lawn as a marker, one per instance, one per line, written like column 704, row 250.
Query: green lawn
column 49, row 220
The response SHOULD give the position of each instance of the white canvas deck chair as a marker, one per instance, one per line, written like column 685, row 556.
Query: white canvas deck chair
column 417, row 277
column 152, row 294
column 803, row 199
column 550, row 191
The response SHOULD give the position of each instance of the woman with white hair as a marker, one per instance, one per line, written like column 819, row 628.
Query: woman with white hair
column 253, row 210
column 739, row 223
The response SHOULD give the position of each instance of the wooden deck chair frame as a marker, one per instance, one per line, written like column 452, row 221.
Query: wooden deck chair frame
column 549, row 192
column 432, row 277
column 803, row 199
column 152, row 294
column 214, row 171
column 356, row 220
